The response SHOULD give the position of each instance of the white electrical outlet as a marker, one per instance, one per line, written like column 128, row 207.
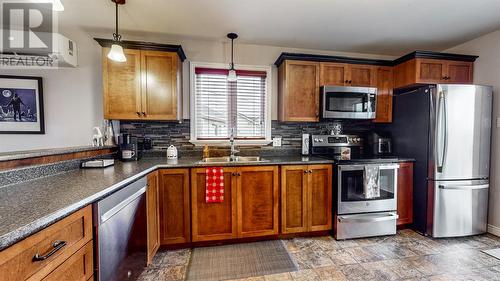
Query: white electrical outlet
column 276, row 141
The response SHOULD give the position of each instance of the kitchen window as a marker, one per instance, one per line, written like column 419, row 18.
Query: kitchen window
column 220, row 107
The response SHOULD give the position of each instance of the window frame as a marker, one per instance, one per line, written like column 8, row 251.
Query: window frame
column 267, row 112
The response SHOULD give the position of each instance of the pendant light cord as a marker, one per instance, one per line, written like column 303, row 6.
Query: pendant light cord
column 232, row 54
column 116, row 35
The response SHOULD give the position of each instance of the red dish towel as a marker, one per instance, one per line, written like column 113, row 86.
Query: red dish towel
column 214, row 188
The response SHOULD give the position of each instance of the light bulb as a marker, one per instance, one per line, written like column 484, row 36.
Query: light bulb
column 116, row 53
column 231, row 77
column 57, row 6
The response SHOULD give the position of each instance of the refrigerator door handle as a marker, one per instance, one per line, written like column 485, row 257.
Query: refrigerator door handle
column 442, row 130
column 465, row 187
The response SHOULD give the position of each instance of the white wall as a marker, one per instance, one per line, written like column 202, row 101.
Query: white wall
column 73, row 96
column 487, row 72
column 72, row 100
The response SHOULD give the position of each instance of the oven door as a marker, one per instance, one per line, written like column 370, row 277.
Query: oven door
column 351, row 198
column 349, row 102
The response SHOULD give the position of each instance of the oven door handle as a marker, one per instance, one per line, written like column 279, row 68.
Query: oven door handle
column 365, row 219
column 362, row 167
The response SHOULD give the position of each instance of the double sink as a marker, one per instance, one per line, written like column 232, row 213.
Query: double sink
column 236, row 159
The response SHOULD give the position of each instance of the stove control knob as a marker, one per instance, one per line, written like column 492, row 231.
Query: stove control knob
column 321, row 140
column 358, row 139
column 350, row 140
column 316, row 140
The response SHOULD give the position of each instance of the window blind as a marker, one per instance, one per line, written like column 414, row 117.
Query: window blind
column 222, row 105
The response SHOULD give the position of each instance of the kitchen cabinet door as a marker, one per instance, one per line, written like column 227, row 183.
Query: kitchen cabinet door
column 430, row 71
column 459, row 72
column 333, row 74
column 361, row 75
column 385, row 85
column 153, row 216
column 405, row 193
column 320, row 197
column 298, row 91
column 258, row 193
column 174, row 206
column 213, row 221
column 122, row 86
column 160, row 92
column 294, row 204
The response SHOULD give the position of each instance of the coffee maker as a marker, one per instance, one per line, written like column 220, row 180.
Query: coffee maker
column 129, row 149
column 379, row 143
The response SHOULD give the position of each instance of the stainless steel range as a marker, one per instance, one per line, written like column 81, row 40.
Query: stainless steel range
column 365, row 187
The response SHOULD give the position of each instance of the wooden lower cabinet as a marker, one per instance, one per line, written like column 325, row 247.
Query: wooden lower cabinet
column 153, row 216
column 213, row 221
column 17, row 262
column 306, row 198
column 405, row 193
column 174, row 206
column 250, row 206
column 257, row 201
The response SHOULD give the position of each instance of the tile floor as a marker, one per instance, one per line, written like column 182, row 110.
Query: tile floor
column 405, row 256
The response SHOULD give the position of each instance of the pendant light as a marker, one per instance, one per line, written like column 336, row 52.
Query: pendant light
column 57, row 6
column 231, row 77
column 116, row 53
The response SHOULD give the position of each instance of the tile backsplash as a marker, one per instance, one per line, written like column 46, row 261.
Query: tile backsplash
column 164, row 134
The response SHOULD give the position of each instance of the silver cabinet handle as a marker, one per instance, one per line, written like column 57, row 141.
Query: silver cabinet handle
column 374, row 219
column 56, row 246
column 464, row 187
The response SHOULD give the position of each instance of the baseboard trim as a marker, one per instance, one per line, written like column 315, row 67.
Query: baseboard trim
column 495, row 230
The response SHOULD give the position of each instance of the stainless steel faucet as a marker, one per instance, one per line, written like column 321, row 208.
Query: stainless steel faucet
column 232, row 157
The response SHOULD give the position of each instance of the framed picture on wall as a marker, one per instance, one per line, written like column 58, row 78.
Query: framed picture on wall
column 21, row 105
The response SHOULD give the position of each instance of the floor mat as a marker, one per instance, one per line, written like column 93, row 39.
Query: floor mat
column 239, row 261
column 493, row 252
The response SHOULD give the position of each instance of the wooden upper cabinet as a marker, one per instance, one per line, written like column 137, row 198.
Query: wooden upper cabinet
column 385, row 85
column 122, row 86
column 153, row 216
column 460, row 72
column 430, row 71
column 433, row 71
column 213, row 221
column 147, row 86
column 174, row 206
column 257, row 201
column 306, row 198
column 160, row 96
column 333, row 74
column 298, row 91
column 405, row 193
column 361, row 75
column 343, row 74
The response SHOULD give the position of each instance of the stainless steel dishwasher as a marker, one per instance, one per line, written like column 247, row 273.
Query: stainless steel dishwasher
column 121, row 233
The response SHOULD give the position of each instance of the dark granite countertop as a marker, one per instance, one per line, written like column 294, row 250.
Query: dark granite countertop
column 30, row 206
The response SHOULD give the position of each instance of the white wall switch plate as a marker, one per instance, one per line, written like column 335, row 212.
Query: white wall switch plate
column 276, row 141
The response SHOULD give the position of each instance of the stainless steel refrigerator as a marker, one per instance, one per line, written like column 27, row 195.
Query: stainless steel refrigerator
column 447, row 129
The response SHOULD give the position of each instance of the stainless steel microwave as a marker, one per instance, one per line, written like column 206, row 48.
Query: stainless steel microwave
column 339, row 102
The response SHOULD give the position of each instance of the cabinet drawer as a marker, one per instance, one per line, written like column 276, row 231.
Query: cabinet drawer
column 18, row 262
column 79, row 267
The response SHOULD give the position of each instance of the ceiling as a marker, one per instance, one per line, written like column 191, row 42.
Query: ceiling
column 389, row 27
